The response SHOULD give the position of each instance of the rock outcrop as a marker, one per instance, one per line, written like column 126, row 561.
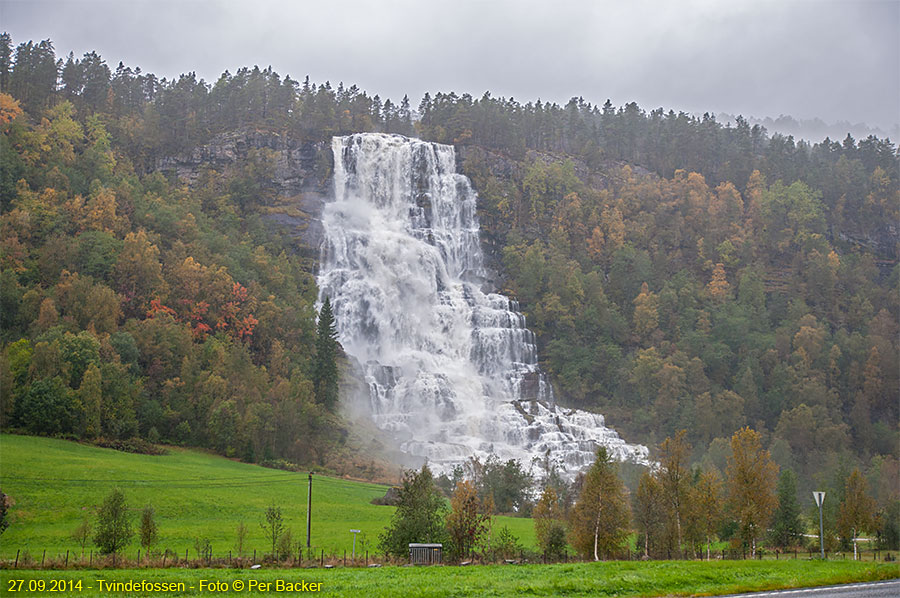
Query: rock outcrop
column 302, row 177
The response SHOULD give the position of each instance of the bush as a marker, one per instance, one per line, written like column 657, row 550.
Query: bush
column 285, row 546
column 132, row 445
column 555, row 546
column 505, row 545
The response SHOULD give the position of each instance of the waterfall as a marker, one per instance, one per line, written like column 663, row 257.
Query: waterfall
column 452, row 371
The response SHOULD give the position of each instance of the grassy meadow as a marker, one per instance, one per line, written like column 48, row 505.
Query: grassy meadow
column 612, row 578
column 54, row 484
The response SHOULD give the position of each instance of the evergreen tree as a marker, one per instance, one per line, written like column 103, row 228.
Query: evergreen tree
column 5, row 60
column 325, row 369
column 787, row 529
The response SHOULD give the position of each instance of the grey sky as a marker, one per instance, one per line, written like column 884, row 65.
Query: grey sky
column 836, row 60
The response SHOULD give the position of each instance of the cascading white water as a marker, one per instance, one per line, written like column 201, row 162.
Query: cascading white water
column 452, row 371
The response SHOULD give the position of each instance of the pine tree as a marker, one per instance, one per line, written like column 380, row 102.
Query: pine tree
column 325, row 369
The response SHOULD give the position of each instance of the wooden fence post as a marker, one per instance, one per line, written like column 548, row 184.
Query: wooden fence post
column 16, row 565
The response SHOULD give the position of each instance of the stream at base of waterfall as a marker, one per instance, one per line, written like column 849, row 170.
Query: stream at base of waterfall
column 452, row 371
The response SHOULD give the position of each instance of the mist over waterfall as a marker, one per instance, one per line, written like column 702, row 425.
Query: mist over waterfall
column 452, row 371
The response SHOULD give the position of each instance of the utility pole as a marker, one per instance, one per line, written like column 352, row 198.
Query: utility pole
column 820, row 498
column 308, row 508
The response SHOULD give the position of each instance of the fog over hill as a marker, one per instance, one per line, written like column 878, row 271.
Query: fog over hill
column 837, row 61
column 815, row 130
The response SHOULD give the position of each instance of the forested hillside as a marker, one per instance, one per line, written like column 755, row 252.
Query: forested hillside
column 678, row 273
column 131, row 305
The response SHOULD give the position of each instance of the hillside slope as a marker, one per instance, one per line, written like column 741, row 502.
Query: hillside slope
column 53, row 484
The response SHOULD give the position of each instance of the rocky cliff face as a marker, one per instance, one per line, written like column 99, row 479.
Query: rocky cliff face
column 302, row 177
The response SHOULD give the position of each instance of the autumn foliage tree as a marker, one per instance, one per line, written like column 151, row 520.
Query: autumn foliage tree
column 549, row 523
column 466, row 521
column 649, row 511
column 599, row 523
column 706, row 507
column 674, row 479
column 752, row 476
column 856, row 512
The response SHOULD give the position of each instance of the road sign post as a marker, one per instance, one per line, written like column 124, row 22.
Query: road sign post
column 820, row 498
column 354, row 532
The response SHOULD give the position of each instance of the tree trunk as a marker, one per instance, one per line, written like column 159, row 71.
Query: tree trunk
column 647, row 545
column 855, row 555
column 597, row 528
column 678, row 528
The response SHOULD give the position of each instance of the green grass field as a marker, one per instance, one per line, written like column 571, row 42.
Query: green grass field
column 669, row 578
column 54, row 484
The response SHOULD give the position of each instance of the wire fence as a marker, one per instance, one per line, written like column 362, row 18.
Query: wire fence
column 309, row 558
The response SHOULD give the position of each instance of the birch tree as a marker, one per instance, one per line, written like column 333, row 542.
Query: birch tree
column 752, row 476
column 600, row 519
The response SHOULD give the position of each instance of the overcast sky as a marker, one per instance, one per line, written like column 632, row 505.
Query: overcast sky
column 836, row 60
